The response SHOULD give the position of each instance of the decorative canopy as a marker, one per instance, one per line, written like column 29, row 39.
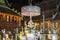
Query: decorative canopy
column 30, row 10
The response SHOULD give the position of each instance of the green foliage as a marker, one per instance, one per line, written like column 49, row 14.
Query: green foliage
column 1, row 1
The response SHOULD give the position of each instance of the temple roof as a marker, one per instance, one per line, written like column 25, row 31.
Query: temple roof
column 7, row 10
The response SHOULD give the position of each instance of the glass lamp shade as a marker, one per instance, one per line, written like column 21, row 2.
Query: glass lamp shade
column 34, row 10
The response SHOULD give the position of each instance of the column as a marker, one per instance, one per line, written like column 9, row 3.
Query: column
column 7, row 19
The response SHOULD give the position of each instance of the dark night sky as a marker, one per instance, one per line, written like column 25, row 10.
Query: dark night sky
column 47, row 6
column 17, row 4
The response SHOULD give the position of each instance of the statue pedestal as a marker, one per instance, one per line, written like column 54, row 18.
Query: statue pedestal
column 42, row 36
column 54, row 36
column 30, row 36
column 23, row 38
